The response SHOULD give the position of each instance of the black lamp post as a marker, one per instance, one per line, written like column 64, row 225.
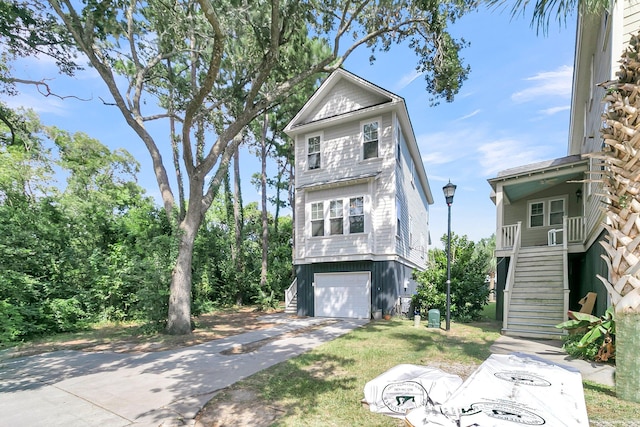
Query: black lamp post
column 449, row 190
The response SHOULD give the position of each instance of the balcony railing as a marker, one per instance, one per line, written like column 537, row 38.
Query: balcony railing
column 572, row 228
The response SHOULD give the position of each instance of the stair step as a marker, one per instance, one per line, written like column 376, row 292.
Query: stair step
column 524, row 333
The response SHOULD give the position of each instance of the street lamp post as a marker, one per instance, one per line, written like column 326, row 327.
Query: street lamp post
column 449, row 190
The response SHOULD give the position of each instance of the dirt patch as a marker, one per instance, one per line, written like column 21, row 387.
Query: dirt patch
column 238, row 407
column 127, row 339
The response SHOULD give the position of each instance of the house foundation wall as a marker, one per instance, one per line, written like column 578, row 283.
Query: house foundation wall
column 388, row 280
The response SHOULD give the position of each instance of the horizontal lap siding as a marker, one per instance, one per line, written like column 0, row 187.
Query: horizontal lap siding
column 631, row 20
column 413, row 239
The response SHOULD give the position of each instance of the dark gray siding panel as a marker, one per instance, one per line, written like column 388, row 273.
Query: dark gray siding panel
column 590, row 265
column 387, row 282
column 502, row 268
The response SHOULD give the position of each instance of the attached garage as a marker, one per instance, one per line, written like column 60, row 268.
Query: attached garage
column 346, row 294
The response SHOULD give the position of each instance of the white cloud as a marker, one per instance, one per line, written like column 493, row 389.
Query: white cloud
column 468, row 116
column 554, row 110
column 501, row 154
column 445, row 147
column 555, row 84
column 406, row 80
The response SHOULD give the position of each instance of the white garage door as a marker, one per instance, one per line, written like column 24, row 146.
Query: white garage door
column 343, row 295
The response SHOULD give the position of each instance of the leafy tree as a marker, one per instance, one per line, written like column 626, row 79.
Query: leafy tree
column 469, row 290
column 215, row 69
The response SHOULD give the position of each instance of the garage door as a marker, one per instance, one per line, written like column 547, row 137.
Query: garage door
column 343, row 295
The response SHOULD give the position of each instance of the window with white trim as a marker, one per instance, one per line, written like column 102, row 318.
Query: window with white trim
column 313, row 152
column 556, row 211
column 317, row 219
column 336, row 217
column 356, row 215
column 370, row 140
column 536, row 214
column 547, row 213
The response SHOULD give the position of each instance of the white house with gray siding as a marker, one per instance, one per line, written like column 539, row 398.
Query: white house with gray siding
column 361, row 214
column 549, row 216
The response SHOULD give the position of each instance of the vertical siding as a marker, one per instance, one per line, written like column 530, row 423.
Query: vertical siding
column 386, row 282
column 502, row 268
column 584, row 268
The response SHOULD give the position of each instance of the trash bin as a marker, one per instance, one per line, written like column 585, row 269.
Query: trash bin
column 434, row 318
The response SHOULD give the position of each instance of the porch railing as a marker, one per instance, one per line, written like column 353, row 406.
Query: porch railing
column 572, row 228
column 509, row 235
column 575, row 229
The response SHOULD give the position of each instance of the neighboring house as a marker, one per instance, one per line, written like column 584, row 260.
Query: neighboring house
column 361, row 217
column 549, row 214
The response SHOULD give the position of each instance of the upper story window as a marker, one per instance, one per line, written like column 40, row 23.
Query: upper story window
column 549, row 212
column 356, row 215
column 313, row 152
column 317, row 219
column 336, row 214
column 370, row 140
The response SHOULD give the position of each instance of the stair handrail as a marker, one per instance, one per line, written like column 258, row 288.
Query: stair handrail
column 511, row 273
column 291, row 293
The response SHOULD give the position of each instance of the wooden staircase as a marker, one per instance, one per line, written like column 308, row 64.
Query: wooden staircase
column 292, row 307
column 537, row 298
column 291, row 298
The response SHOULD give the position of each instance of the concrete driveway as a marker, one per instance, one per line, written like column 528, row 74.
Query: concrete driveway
column 73, row 388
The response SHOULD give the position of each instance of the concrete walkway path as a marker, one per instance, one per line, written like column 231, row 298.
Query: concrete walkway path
column 73, row 388
column 551, row 350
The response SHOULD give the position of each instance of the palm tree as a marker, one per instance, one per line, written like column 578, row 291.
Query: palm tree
column 621, row 182
column 621, row 160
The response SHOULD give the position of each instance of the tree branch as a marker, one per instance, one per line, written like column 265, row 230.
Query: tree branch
column 44, row 89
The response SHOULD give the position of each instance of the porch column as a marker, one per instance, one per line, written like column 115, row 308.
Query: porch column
column 499, row 215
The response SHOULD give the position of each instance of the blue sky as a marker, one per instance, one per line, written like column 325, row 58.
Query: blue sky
column 513, row 110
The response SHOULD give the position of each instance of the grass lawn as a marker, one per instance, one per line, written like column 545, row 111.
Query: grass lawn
column 325, row 386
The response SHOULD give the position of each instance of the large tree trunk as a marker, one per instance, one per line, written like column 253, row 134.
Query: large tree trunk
column 621, row 158
column 179, row 316
column 627, row 351
column 265, row 218
column 238, row 222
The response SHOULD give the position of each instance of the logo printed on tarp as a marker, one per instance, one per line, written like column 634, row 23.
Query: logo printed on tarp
column 509, row 412
column 405, row 396
column 524, row 378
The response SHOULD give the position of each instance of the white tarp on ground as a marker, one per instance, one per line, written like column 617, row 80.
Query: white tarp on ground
column 511, row 390
column 405, row 387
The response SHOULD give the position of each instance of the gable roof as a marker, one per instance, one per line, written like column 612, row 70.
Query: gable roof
column 344, row 96
column 342, row 93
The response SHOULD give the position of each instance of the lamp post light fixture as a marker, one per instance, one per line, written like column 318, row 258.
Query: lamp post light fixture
column 449, row 190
